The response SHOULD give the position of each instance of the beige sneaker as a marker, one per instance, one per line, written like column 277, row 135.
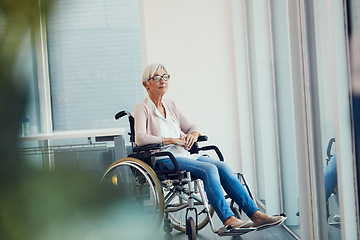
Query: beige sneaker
column 242, row 224
column 271, row 221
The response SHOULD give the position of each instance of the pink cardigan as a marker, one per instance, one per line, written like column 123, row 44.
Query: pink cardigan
column 147, row 121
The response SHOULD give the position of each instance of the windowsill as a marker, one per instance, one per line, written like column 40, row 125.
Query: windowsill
column 75, row 134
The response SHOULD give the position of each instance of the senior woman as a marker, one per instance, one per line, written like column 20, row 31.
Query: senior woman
column 158, row 120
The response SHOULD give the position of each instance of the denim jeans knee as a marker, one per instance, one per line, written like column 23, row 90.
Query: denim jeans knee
column 216, row 175
column 233, row 187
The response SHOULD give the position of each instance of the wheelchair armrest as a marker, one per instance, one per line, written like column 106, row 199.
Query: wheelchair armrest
column 147, row 147
column 195, row 146
column 216, row 149
column 202, row 138
column 173, row 160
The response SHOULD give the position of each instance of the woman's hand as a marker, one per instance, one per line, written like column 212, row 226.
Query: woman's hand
column 176, row 141
column 190, row 139
column 187, row 141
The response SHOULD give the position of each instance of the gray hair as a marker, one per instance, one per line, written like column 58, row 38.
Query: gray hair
column 150, row 70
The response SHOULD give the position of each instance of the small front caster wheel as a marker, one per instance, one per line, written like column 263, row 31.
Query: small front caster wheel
column 191, row 229
column 167, row 226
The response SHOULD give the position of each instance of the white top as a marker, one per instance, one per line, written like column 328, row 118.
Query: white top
column 168, row 129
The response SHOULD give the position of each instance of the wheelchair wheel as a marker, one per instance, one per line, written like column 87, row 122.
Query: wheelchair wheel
column 177, row 199
column 139, row 185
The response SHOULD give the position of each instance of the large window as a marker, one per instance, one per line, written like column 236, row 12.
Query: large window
column 83, row 67
column 94, row 54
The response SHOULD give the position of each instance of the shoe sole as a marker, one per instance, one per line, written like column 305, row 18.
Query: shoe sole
column 269, row 225
column 246, row 225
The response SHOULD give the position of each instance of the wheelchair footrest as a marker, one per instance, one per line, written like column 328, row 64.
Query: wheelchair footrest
column 234, row 231
column 335, row 224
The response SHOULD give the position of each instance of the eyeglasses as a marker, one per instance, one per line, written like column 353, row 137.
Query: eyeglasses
column 157, row 78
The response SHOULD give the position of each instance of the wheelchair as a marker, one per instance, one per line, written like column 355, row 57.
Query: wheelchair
column 169, row 196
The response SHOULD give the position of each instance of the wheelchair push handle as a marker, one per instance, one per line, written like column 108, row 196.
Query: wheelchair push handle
column 328, row 151
column 131, row 121
column 121, row 114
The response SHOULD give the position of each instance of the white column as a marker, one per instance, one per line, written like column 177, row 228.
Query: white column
column 300, row 101
column 264, row 91
column 244, row 91
column 282, row 53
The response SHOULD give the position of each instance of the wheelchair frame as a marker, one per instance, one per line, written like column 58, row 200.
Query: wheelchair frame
column 178, row 184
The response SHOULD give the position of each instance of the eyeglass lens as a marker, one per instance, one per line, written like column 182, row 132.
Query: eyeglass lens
column 158, row 78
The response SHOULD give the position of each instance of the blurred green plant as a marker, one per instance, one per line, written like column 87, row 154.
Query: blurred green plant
column 16, row 17
column 39, row 204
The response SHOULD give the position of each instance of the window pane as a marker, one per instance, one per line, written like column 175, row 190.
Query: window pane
column 27, row 67
column 329, row 87
column 94, row 60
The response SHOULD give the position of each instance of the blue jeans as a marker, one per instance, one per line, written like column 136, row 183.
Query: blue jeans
column 330, row 177
column 217, row 175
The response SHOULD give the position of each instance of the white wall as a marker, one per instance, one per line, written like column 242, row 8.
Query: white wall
column 194, row 39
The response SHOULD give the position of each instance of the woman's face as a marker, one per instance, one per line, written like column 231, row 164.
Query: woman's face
column 157, row 88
